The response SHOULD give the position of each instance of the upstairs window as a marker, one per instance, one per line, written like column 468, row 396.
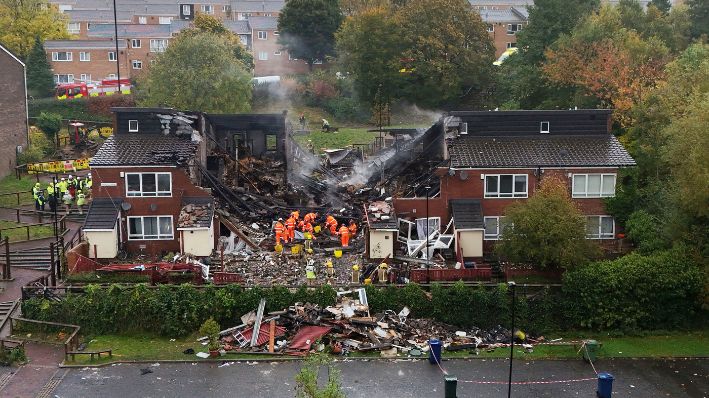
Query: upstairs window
column 148, row 184
column 186, row 9
column 513, row 28
column 62, row 56
column 593, row 185
column 490, row 28
column 137, row 64
column 506, row 186
column 142, row 20
column 84, row 56
column 74, row 28
column 262, row 35
column 158, row 45
column 112, row 56
column 165, row 20
column 135, row 43
column 207, row 9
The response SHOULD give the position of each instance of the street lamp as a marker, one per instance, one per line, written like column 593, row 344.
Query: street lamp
column 512, row 286
column 428, row 259
column 115, row 39
column 56, row 203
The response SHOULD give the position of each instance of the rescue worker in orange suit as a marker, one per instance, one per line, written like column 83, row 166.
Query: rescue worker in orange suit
column 280, row 232
column 310, row 217
column 308, row 227
column 295, row 214
column 290, row 229
column 331, row 223
column 344, row 235
column 353, row 228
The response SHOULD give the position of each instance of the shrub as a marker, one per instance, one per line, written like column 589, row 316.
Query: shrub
column 101, row 106
column 50, row 124
column 210, row 328
column 645, row 231
column 68, row 109
column 347, row 109
column 635, row 292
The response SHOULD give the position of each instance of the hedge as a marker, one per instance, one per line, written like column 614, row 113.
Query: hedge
column 94, row 108
column 170, row 310
column 636, row 292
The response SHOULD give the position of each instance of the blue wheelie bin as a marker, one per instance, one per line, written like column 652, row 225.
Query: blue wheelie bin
column 434, row 355
column 605, row 385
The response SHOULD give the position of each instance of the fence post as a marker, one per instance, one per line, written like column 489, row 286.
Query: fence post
column 17, row 211
column 60, row 254
column 27, row 228
column 6, row 273
column 52, row 275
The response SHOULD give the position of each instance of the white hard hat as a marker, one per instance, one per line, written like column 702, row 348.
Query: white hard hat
column 63, row 178
column 89, row 175
column 70, row 176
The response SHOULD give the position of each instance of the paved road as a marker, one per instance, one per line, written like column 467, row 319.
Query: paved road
column 634, row 378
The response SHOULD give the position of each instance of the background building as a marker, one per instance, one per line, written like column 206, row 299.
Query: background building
column 13, row 110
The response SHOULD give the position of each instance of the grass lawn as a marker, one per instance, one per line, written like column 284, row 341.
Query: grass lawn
column 342, row 139
column 11, row 184
column 20, row 234
column 151, row 348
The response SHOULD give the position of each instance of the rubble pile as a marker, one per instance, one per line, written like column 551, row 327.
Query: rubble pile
column 347, row 327
column 195, row 215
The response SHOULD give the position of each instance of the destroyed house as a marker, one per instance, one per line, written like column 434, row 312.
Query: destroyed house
column 146, row 198
column 494, row 159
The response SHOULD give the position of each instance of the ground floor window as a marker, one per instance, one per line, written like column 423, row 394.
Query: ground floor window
column 600, row 227
column 494, row 227
column 150, row 228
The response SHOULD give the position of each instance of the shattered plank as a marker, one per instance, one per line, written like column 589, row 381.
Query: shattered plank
column 257, row 324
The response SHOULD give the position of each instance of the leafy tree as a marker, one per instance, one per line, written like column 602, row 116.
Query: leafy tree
column 205, row 23
column 699, row 17
column 520, row 83
column 369, row 47
column 50, row 124
column 662, row 5
column 197, row 72
column 40, row 81
column 354, row 7
column 608, row 62
column 548, row 230
column 645, row 230
column 447, row 53
column 307, row 28
column 22, row 21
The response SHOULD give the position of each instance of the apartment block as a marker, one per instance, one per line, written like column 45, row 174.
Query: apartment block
column 85, row 60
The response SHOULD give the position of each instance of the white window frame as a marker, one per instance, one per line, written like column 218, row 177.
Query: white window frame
column 136, row 43
column 85, row 77
column 74, row 28
column 513, row 194
column 133, row 126
column 498, row 229
column 262, row 35
column 277, row 52
column 69, row 78
column 88, row 26
column 585, row 194
column 599, row 234
column 317, row 62
column 111, row 76
column 142, row 194
column 84, row 56
column 511, row 44
column 225, row 8
column 491, row 28
column 517, row 26
column 137, row 64
column 263, row 56
column 142, row 20
column 164, row 20
column 186, row 9
column 207, row 9
column 275, row 33
column 159, row 236
column 544, row 127
column 112, row 56
column 158, row 45
column 67, row 54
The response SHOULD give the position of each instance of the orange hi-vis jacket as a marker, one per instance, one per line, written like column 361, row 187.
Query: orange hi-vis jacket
column 344, row 235
column 280, row 232
column 310, row 217
column 331, row 223
column 353, row 229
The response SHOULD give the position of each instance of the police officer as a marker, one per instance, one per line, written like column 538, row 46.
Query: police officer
column 36, row 190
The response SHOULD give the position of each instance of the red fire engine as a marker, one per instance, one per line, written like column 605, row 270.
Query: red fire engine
column 81, row 90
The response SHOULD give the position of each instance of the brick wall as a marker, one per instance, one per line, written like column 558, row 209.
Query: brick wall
column 500, row 38
column 275, row 65
column 181, row 187
column 13, row 111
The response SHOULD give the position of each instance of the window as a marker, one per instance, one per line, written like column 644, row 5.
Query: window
column 511, row 45
column 85, row 77
column 262, row 35
column 490, row 27
column 513, row 28
column 135, row 43
column 186, row 9
column 74, row 28
column 317, row 62
column 165, row 20
column 207, row 9
column 84, row 56
column 62, row 56
column 506, row 186
column 148, row 184
column 226, row 9
column 275, row 33
column 142, row 20
column 150, row 228
column 263, row 56
column 112, row 56
column 600, row 227
column 158, row 45
column 88, row 26
column 593, row 185
column 544, row 127
column 111, row 75
column 277, row 52
column 133, row 126
column 494, row 227
column 137, row 64
column 58, row 79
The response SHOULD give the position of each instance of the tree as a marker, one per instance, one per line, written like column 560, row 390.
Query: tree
column 447, row 53
column 205, row 23
column 699, row 17
column 520, row 83
column 547, row 230
column 369, row 47
column 40, row 81
column 608, row 62
column 307, row 28
column 662, row 5
column 50, row 124
column 197, row 72
column 22, row 21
